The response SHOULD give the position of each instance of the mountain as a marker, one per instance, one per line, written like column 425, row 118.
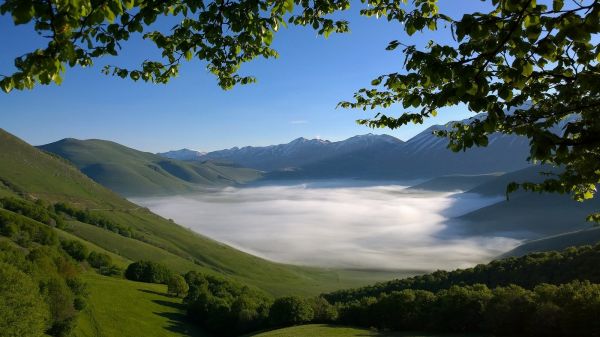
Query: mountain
column 372, row 156
column 31, row 174
column 557, row 242
column 423, row 156
column 526, row 215
column 183, row 154
column 26, row 170
column 299, row 152
column 455, row 183
column 498, row 185
column 135, row 173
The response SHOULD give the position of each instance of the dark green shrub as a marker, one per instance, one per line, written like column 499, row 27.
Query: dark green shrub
column 148, row 271
column 99, row 260
column 290, row 310
column 75, row 249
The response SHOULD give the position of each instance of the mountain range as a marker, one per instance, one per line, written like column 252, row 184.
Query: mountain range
column 183, row 154
column 373, row 157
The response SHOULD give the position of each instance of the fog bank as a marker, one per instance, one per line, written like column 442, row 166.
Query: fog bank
column 383, row 227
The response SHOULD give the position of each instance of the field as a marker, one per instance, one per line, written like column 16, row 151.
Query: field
column 118, row 307
column 321, row 330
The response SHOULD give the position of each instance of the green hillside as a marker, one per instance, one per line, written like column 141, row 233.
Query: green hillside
column 453, row 183
column 31, row 173
column 526, row 215
column 530, row 215
column 28, row 171
column 136, row 173
column 118, row 307
column 497, row 186
column 557, row 242
column 322, row 330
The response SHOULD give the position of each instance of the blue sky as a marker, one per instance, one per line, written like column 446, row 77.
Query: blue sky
column 295, row 96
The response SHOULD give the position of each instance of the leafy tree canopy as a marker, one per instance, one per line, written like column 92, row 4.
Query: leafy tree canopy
column 22, row 308
column 222, row 33
column 177, row 285
column 531, row 66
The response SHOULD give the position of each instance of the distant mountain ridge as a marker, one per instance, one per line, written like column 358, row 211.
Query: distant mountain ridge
column 135, row 173
column 378, row 157
column 183, row 154
column 297, row 153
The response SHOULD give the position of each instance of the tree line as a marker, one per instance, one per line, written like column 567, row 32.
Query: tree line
column 542, row 294
column 569, row 309
column 554, row 267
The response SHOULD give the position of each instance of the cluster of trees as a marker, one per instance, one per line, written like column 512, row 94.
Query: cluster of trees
column 99, row 220
column 548, row 300
column 40, row 292
column 224, row 307
column 227, row 308
column 570, row 309
column 148, row 271
column 76, row 249
column 94, row 219
column 575, row 263
column 37, row 210
column 25, row 231
column 54, row 215
column 100, row 261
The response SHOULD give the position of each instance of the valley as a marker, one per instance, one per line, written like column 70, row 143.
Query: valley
column 370, row 202
column 332, row 224
column 408, row 168
column 310, row 220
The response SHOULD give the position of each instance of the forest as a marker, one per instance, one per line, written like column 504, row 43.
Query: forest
column 536, row 295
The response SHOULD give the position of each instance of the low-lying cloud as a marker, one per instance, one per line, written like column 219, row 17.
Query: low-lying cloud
column 384, row 227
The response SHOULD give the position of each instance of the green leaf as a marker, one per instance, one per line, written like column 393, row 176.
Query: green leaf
column 393, row 45
column 473, row 89
column 188, row 54
column 557, row 5
column 7, row 85
column 289, row 5
column 527, row 69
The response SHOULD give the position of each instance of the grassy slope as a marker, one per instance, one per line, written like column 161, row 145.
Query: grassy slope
column 321, row 330
column 118, row 307
column 530, row 216
column 36, row 173
column 131, row 172
column 497, row 186
column 455, row 182
column 117, row 259
column 526, row 215
column 557, row 242
column 42, row 175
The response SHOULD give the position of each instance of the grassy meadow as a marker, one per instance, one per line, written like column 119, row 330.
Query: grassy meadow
column 324, row 330
column 118, row 307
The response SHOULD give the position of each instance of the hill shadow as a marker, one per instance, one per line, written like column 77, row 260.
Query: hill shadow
column 155, row 293
column 177, row 321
